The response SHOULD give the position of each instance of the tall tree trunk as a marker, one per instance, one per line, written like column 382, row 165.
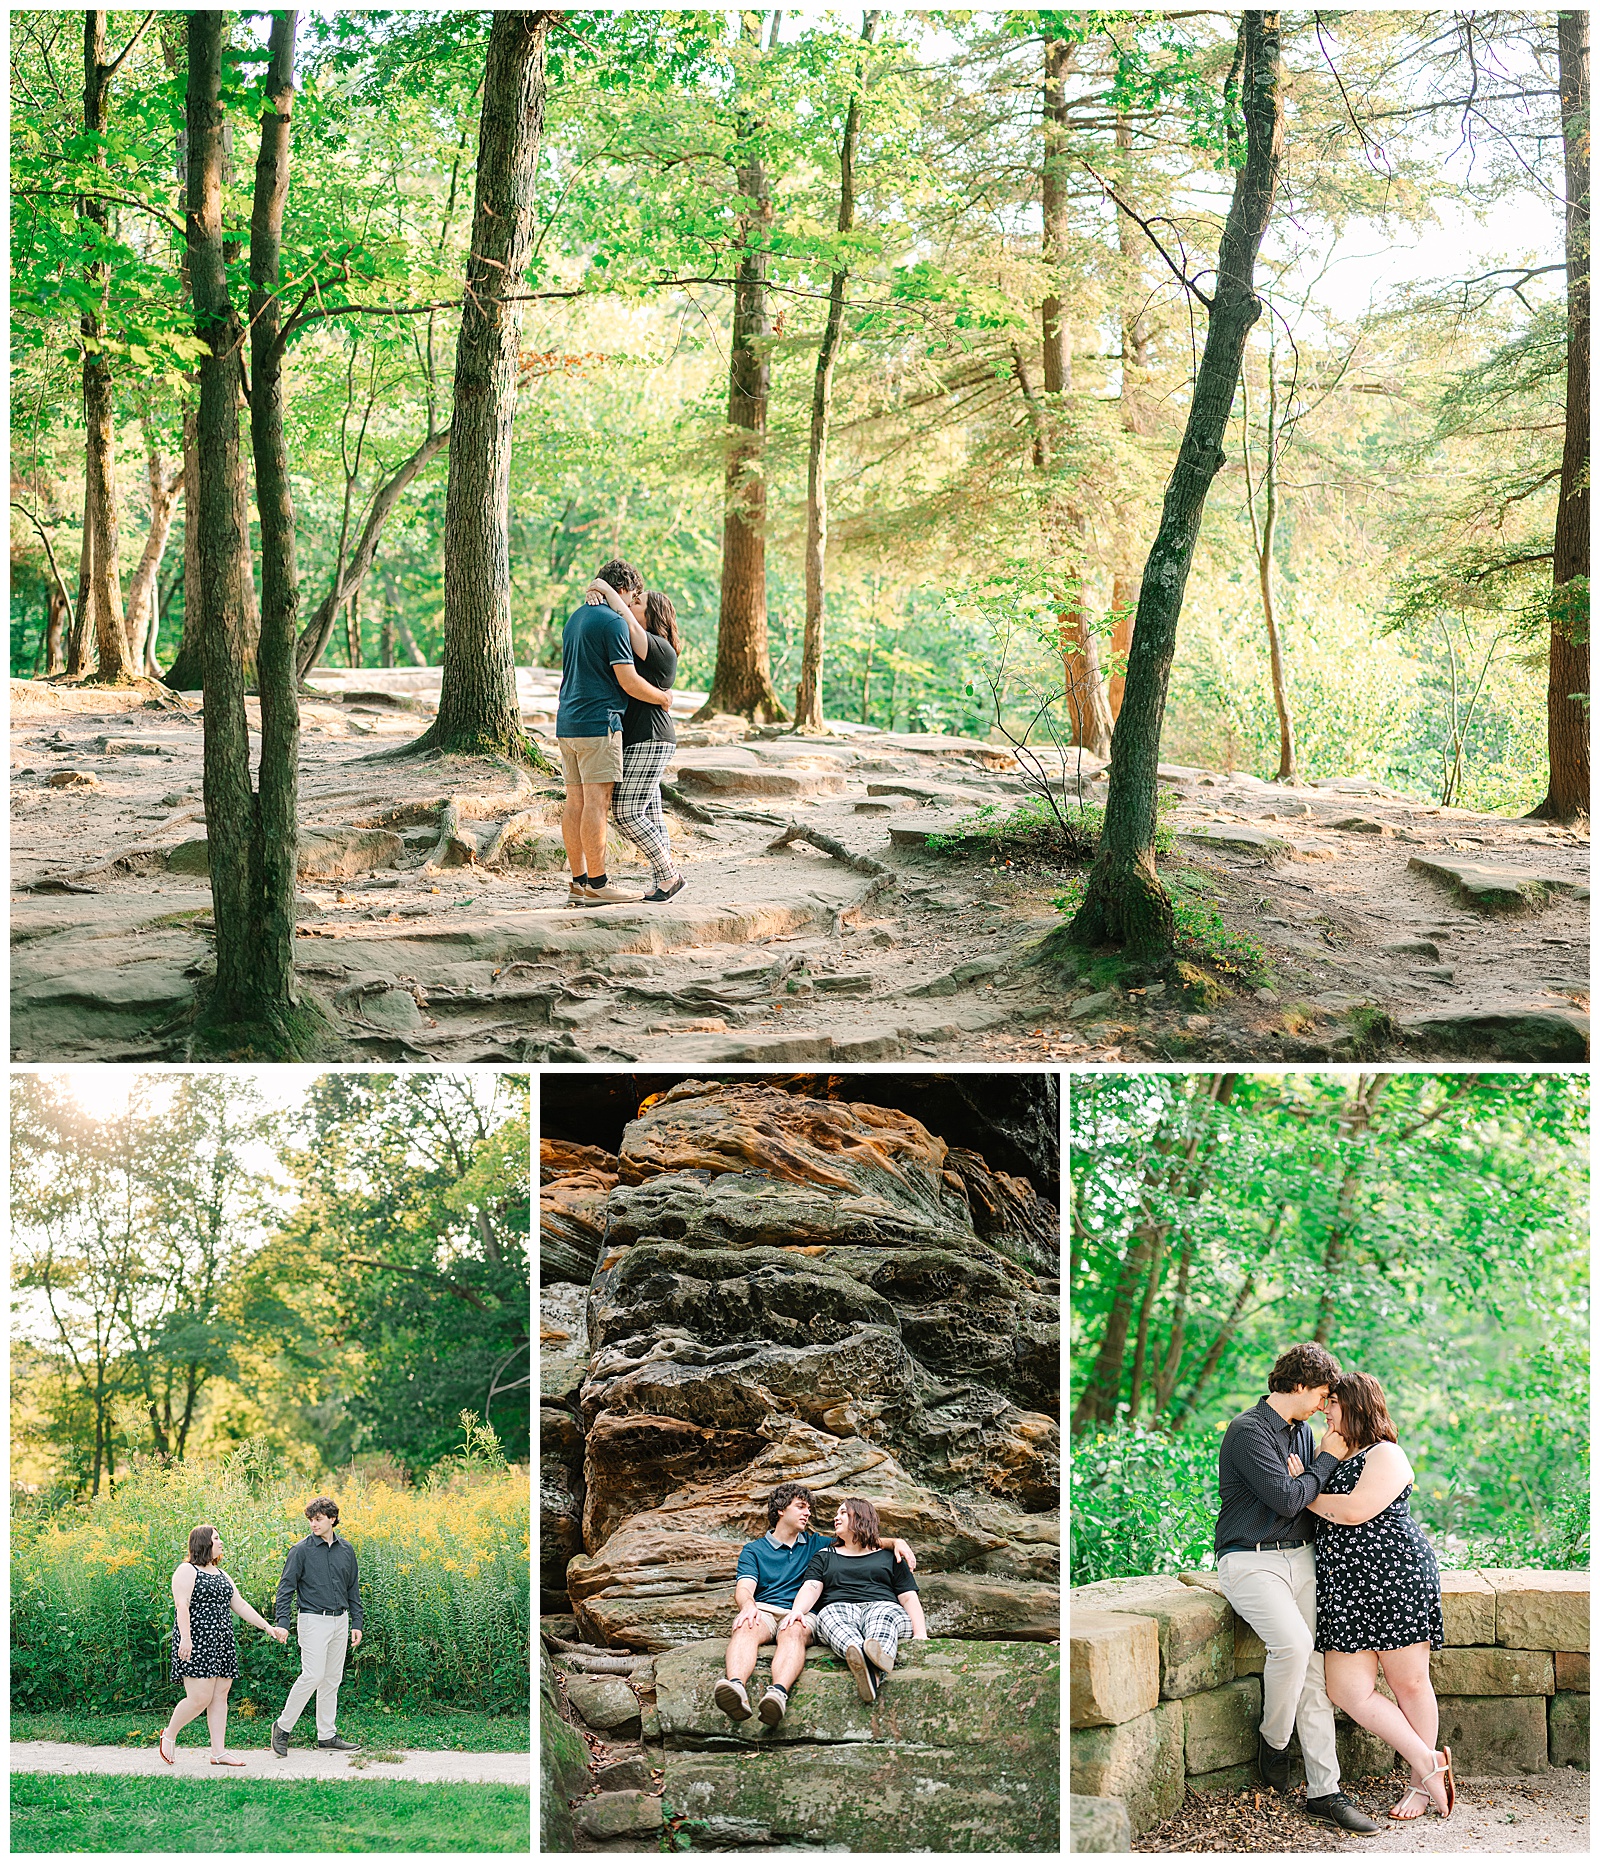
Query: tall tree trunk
column 115, row 663
column 144, row 615
column 1567, row 698
column 229, row 798
column 1131, row 409
column 1263, row 532
column 273, row 843
column 1058, row 56
column 1124, row 600
column 1124, row 903
column 55, row 632
column 742, row 680
column 187, row 671
column 1213, row 1358
column 479, row 714
column 808, row 700
column 347, row 583
column 1354, row 1124
column 81, row 631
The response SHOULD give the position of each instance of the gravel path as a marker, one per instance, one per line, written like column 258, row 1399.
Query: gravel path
column 425, row 1768
column 1547, row 1812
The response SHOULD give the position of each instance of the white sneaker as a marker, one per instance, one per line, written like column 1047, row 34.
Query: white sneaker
column 608, row 895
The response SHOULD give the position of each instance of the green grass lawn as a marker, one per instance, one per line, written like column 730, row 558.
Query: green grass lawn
column 458, row 1730
column 51, row 1812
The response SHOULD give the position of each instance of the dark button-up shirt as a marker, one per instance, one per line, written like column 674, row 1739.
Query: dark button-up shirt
column 326, row 1577
column 1261, row 1500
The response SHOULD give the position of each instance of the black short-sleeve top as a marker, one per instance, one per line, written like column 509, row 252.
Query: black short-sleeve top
column 863, row 1578
column 643, row 722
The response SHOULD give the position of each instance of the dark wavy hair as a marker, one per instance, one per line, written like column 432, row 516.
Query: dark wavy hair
column 200, row 1539
column 782, row 1495
column 1363, row 1410
column 660, row 617
column 1302, row 1367
column 623, row 577
column 322, row 1505
column 863, row 1518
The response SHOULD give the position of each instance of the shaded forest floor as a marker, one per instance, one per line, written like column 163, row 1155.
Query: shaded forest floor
column 1385, row 927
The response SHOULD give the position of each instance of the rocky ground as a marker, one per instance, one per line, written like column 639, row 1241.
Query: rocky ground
column 1548, row 1812
column 434, row 921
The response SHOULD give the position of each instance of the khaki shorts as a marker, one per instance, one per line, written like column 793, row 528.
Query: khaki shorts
column 591, row 759
column 773, row 1614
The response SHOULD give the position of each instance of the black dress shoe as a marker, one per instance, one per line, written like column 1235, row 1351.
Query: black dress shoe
column 280, row 1741
column 1337, row 1809
column 1274, row 1764
column 339, row 1745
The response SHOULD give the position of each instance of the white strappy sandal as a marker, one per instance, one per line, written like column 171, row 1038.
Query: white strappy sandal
column 1420, row 1791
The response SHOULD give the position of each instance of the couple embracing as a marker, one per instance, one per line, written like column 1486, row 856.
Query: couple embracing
column 791, row 1585
column 619, row 658
column 1318, row 1553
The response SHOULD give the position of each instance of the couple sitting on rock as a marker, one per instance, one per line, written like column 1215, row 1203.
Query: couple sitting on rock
column 865, row 1595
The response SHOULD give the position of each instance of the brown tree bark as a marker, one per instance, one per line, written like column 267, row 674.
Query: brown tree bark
column 479, row 714
column 55, row 627
column 808, row 699
column 229, row 797
column 319, row 629
column 1058, row 56
column 1264, row 532
column 82, row 629
column 742, row 680
column 1567, row 698
column 1354, row 1124
column 1125, row 904
column 274, row 836
column 144, row 617
column 1124, row 601
column 187, row 671
column 114, row 662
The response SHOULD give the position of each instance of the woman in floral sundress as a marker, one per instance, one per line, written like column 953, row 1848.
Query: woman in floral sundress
column 1378, row 1600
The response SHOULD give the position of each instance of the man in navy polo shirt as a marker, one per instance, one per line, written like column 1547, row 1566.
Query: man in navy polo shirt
column 770, row 1573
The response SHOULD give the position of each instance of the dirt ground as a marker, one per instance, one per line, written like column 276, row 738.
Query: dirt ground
column 1391, row 928
column 1546, row 1812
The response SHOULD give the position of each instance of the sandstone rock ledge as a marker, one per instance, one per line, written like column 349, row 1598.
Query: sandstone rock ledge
column 960, row 1753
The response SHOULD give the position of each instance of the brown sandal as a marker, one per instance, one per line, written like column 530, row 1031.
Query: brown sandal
column 1449, row 1782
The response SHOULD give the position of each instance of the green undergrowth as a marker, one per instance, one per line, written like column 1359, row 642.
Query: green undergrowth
column 1035, row 834
column 51, row 1812
column 446, row 1730
column 1208, row 958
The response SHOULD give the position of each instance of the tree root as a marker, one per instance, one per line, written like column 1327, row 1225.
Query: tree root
column 458, row 846
column 825, row 843
column 671, row 793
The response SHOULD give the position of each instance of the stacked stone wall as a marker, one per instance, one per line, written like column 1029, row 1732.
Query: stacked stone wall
column 1166, row 1691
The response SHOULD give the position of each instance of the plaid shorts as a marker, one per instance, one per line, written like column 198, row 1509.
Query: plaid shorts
column 843, row 1625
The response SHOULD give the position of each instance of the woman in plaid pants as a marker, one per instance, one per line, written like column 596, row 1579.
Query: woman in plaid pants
column 648, row 736
column 869, row 1597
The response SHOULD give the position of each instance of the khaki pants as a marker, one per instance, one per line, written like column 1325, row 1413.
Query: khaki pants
column 1276, row 1595
column 323, row 1641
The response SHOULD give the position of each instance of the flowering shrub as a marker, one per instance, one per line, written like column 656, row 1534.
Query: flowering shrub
column 444, row 1579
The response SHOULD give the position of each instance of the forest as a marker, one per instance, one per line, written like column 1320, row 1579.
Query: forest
column 1431, row 1229
column 325, row 1279
column 935, row 364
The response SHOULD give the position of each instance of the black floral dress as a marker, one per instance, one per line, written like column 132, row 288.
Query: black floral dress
column 1378, row 1583
column 216, row 1650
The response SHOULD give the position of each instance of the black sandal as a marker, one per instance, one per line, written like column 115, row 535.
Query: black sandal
column 658, row 897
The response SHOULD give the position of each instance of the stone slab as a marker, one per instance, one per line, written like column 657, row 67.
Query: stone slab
column 1540, row 1610
column 1468, row 1599
column 1492, row 1672
column 619, row 1814
column 944, row 1694
column 1138, row 1761
column 1220, row 1727
column 869, row 1796
column 1362, row 1755
column 1572, row 1672
column 1195, row 1627
column 1235, row 840
column 1568, row 1722
column 605, row 1702
column 1495, row 1734
column 1097, row 1824
column 1224, row 1782
column 1495, row 889
column 1531, row 1032
column 1116, row 1667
